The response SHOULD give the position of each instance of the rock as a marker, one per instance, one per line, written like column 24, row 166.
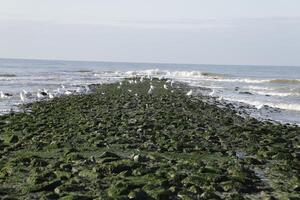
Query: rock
column 13, row 139
column 76, row 197
column 210, row 195
column 253, row 160
column 247, row 93
column 138, row 194
column 50, row 186
column 109, row 154
column 117, row 189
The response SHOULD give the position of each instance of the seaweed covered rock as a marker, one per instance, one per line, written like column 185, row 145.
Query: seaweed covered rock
column 119, row 142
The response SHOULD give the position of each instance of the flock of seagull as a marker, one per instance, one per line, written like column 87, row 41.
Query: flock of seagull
column 151, row 87
column 42, row 94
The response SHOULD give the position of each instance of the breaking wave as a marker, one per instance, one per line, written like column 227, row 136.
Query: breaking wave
column 259, row 104
column 280, row 94
column 206, row 76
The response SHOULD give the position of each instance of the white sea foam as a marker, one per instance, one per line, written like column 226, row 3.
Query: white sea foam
column 199, row 75
column 280, row 94
column 254, row 87
column 259, row 104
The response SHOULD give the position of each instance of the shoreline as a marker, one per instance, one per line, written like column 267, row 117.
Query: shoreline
column 115, row 144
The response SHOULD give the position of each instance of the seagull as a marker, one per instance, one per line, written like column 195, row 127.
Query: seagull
column 189, row 93
column 165, row 86
column 220, row 98
column 212, row 93
column 130, row 81
column 141, row 79
column 120, row 83
column 51, row 96
column 82, row 89
column 25, row 95
column 172, row 82
column 4, row 95
column 22, row 96
column 87, row 89
column 129, row 90
column 150, row 91
column 68, row 92
column 41, row 94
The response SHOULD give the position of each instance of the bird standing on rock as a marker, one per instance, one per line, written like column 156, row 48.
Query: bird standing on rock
column 189, row 93
column 212, row 93
column 4, row 95
column 25, row 95
column 41, row 94
column 165, row 86
column 150, row 91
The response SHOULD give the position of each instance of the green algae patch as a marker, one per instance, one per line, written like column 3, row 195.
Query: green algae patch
column 119, row 142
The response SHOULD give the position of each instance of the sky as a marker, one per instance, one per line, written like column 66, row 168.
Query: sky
column 250, row 32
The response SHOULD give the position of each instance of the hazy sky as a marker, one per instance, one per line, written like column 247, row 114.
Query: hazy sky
column 263, row 32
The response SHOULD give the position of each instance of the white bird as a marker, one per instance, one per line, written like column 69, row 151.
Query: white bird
column 129, row 90
column 41, row 94
column 4, row 95
column 220, row 98
column 189, row 93
column 25, row 95
column 165, row 86
column 22, row 96
column 26, row 92
column 87, row 89
column 130, row 81
column 150, row 91
column 120, row 83
column 51, row 96
column 68, row 92
column 80, row 90
column 172, row 82
column 141, row 79
column 212, row 93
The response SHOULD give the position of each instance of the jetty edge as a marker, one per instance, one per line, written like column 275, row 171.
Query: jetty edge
column 119, row 142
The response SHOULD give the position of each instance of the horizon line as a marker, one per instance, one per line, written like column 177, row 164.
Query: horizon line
column 147, row 62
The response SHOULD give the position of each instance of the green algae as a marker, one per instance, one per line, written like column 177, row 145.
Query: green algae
column 116, row 144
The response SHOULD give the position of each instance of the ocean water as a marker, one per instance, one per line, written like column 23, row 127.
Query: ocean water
column 273, row 90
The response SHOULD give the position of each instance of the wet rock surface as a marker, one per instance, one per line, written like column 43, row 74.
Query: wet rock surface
column 116, row 144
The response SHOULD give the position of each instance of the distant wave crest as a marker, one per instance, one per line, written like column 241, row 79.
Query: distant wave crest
column 259, row 104
column 286, row 81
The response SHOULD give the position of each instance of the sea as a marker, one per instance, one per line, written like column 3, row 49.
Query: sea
column 272, row 92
